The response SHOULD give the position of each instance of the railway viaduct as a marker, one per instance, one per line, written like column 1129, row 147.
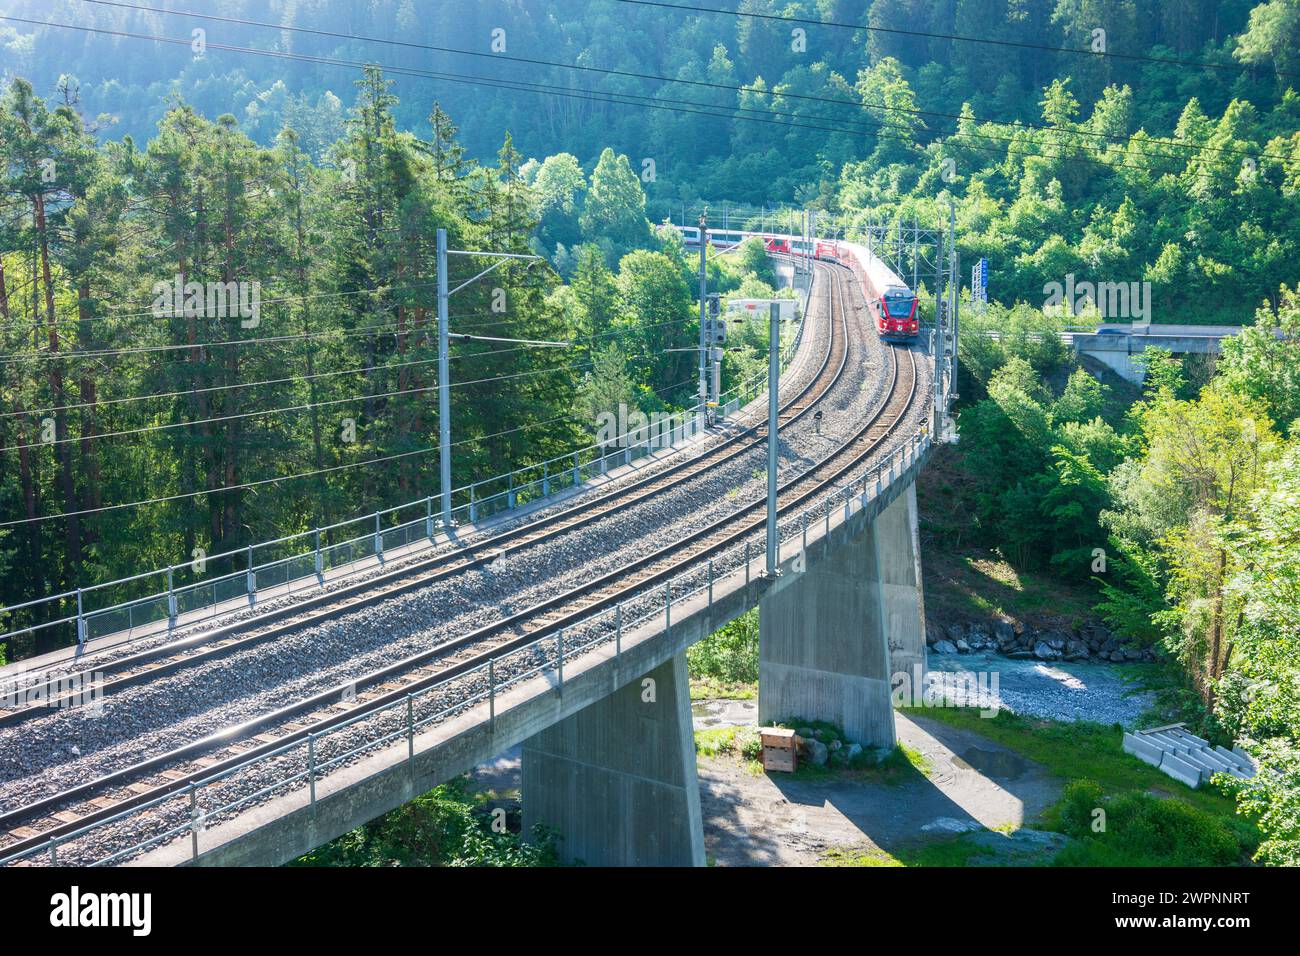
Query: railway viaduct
column 609, row 754
column 1120, row 347
column 605, row 724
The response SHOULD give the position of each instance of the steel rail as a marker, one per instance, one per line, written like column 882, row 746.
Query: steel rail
column 173, row 655
column 864, row 441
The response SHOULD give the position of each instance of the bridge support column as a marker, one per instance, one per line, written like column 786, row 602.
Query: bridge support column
column 898, row 550
column 831, row 638
column 617, row 779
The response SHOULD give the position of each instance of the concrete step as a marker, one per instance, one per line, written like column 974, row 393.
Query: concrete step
column 1185, row 756
column 1238, row 758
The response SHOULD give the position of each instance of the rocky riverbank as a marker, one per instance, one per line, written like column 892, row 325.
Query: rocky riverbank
column 1026, row 641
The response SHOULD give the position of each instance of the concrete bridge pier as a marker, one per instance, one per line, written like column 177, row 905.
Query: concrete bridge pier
column 617, row 779
column 898, row 547
column 832, row 637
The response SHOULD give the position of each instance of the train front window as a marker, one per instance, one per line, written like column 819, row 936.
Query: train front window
column 899, row 308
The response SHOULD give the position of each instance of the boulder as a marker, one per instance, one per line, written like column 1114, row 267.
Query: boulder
column 805, row 732
column 963, row 647
column 1133, row 653
column 945, row 647
column 1075, row 650
column 1117, row 656
column 955, row 632
column 1005, row 634
column 933, row 632
column 979, row 633
column 1055, row 640
column 818, row 753
column 1045, row 652
column 1096, row 635
column 852, row 751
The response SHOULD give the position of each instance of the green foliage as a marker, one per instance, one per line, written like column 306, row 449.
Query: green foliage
column 1261, row 361
column 730, row 654
column 614, row 213
column 1138, row 829
column 1272, row 798
column 1131, row 591
column 1272, row 36
column 1083, row 399
column 751, row 259
column 443, row 827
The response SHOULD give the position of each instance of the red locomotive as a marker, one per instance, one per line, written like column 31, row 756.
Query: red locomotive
column 892, row 304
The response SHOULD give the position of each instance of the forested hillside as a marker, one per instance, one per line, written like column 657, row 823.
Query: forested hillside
column 1171, row 161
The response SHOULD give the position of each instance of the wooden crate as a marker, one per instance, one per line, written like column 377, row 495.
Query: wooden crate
column 778, row 749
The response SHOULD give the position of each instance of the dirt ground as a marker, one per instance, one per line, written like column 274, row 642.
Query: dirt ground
column 776, row 820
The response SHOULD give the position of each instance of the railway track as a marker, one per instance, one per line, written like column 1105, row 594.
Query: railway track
column 52, row 691
column 63, row 813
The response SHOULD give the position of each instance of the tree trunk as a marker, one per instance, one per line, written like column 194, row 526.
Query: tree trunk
column 64, row 452
column 92, row 492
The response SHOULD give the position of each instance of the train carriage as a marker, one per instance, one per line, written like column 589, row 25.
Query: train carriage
column 891, row 301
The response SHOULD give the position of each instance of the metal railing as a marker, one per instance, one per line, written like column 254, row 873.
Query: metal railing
column 609, row 625
column 232, row 579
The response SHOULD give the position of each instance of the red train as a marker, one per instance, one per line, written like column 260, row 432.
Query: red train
column 892, row 303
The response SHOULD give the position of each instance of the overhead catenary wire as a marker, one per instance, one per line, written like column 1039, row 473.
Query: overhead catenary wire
column 532, row 61
column 308, row 406
column 389, row 329
column 180, row 393
column 178, row 312
column 526, row 344
column 922, row 34
column 732, row 113
column 306, row 474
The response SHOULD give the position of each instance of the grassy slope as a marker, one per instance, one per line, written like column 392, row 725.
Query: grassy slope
column 967, row 583
column 1079, row 751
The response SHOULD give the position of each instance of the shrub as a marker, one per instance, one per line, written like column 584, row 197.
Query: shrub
column 730, row 654
column 1141, row 830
